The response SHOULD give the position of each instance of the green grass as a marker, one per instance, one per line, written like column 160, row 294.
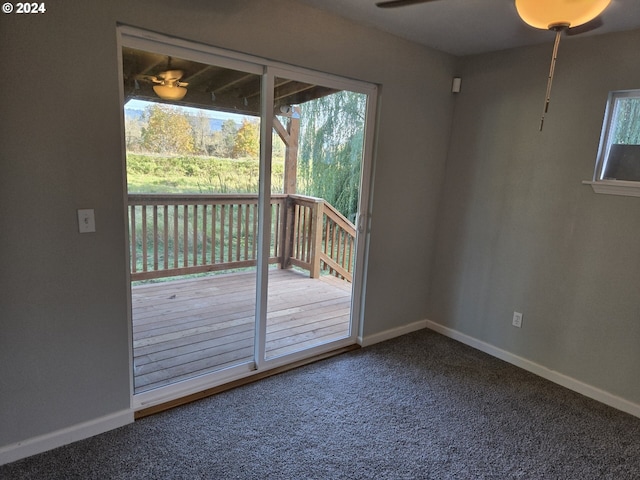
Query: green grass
column 198, row 175
column 156, row 174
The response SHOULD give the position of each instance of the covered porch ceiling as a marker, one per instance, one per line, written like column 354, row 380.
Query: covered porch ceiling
column 210, row 87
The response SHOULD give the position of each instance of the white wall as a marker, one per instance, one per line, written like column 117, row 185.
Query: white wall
column 519, row 232
column 63, row 299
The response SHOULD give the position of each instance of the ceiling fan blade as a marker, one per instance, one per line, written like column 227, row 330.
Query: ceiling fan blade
column 401, row 3
column 171, row 75
column 586, row 27
column 147, row 78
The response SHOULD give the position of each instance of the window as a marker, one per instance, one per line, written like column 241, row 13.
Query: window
column 618, row 162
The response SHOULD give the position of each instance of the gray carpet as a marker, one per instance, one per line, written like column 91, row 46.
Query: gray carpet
column 421, row 406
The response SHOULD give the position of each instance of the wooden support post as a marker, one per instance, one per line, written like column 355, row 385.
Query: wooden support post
column 288, row 218
column 316, row 238
column 291, row 152
column 291, row 138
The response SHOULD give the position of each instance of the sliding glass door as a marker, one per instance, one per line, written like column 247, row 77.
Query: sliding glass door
column 246, row 204
column 320, row 130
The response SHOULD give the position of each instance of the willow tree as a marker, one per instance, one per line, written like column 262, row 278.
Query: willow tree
column 330, row 152
column 627, row 130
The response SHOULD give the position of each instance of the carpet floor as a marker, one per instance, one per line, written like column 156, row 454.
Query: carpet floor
column 420, row 406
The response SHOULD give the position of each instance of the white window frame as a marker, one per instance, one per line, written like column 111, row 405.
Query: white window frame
column 600, row 184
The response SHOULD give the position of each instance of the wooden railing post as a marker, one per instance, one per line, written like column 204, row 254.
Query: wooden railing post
column 288, row 219
column 338, row 244
column 316, row 238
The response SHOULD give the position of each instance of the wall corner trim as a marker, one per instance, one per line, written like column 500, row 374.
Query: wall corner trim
column 594, row 393
column 65, row 436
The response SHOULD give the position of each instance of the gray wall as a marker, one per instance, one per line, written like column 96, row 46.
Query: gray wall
column 518, row 230
column 63, row 297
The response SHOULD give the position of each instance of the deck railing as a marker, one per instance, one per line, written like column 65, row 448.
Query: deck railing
column 338, row 244
column 183, row 234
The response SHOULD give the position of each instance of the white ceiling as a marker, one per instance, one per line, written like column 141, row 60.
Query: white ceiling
column 464, row 27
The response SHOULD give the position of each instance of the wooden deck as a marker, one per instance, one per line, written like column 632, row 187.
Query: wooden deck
column 186, row 328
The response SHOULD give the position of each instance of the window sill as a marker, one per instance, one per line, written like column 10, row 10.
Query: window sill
column 615, row 187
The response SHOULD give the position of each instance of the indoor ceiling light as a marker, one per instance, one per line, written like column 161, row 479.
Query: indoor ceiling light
column 549, row 14
column 559, row 16
column 170, row 92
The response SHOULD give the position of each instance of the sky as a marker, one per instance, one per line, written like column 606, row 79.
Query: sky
column 135, row 104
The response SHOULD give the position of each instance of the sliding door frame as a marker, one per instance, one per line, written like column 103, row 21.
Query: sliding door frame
column 276, row 70
column 269, row 70
column 264, row 217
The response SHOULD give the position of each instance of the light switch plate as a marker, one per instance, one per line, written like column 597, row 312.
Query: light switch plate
column 86, row 220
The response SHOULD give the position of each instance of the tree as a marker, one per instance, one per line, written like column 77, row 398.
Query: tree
column 627, row 121
column 331, row 143
column 247, row 142
column 221, row 142
column 201, row 132
column 133, row 128
column 168, row 131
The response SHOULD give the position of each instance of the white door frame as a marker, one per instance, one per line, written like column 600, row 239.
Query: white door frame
column 154, row 42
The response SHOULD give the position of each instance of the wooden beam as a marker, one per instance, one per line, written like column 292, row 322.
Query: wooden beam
column 291, row 152
column 281, row 131
column 225, row 102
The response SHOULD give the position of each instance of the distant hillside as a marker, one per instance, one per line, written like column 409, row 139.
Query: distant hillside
column 215, row 124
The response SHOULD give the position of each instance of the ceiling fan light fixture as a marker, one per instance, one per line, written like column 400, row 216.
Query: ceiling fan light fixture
column 547, row 14
column 169, row 85
column 170, row 92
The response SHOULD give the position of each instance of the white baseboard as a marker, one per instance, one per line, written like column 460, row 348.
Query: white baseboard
column 537, row 369
column 42, row 443
column 391, row 333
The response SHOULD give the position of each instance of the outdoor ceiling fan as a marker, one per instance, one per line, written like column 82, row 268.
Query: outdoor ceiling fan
column 169, row 86
column 570, row 16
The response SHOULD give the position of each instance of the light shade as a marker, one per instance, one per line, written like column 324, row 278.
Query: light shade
column 570, row 13
column 170, row 92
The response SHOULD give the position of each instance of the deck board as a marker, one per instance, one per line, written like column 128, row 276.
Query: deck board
column 185, row 328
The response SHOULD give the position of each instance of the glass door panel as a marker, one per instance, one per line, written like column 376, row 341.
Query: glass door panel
column 193, row 175
column 318, row 149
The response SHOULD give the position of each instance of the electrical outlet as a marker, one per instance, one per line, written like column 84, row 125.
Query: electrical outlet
column 517, row 319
